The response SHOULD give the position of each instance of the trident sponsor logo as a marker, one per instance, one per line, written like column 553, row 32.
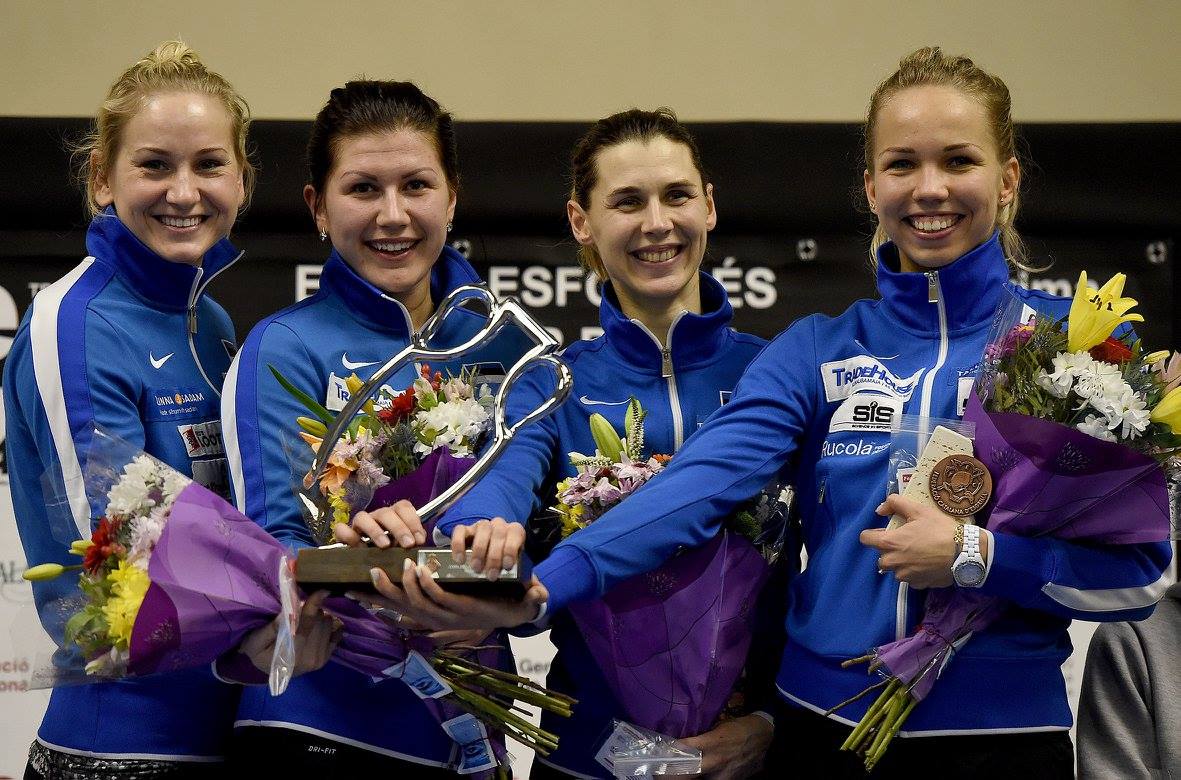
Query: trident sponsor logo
column 842, row 378
column 202, row 439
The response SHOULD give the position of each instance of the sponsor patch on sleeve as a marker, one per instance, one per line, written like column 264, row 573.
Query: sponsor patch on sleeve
column 965, row 390
column 202, row 439
column 178, row 404
column 213, row 474
column 337, row 395
column 843, row 378
column 866, row 412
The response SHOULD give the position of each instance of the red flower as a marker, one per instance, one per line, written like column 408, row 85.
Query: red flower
column 400, row 408
column 1111, row 351
column 104, row 545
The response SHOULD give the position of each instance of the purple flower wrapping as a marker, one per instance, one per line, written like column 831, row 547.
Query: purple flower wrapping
column 437, row 472
column 1048, row 480
column 672, row 643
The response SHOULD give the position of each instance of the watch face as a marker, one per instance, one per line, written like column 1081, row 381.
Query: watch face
column 969, row 573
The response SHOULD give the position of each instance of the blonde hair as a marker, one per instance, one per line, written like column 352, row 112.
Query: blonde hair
column 931, row 67
column 170, row 67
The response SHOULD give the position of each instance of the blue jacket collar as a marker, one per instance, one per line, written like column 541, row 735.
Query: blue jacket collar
column 371, row 306
column 694, row 338
column 970, row 288
column 156, row 280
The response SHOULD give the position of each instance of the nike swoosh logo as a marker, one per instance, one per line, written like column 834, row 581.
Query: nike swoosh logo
column 592, row 402
column 351, row 366
column 157, row 363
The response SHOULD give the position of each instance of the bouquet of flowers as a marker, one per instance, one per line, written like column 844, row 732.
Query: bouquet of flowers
column 1080, row 430
column 671, row 643
column 409, row 445
column 173, row 577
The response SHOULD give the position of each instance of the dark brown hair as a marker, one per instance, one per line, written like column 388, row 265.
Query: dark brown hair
column 362, row 107
column 631, row 125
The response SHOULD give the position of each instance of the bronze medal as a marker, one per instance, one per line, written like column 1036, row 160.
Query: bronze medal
column 960, row 485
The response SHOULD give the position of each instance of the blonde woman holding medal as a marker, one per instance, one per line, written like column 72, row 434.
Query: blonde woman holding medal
column 942, row 178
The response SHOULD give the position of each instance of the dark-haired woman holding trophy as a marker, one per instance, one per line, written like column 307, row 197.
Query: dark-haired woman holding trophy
column 382, row 183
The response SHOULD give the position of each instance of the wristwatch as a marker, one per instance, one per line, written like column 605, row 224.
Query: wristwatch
column 968, row 569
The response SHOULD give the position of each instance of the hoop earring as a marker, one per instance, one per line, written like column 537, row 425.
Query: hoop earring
column 448, row 227
column 323, row 236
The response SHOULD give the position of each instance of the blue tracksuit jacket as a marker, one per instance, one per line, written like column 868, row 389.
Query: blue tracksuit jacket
column 679, row 386
column 914, row 351
column 348, row 327
column 129, row 341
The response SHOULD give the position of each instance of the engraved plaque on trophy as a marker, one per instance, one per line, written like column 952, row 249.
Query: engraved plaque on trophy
column 339, row 569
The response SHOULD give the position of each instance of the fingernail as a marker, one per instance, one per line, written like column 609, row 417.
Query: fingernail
column 881, row 506
column 506, row 563
column 407, row 540
column 374, row 573
column 477, row 564
column 407, row 565
column 420, row 536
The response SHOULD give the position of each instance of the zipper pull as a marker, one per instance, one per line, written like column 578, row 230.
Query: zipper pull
column 666, row 362
column 193, row 320
column 932, row 287
column 823, row 485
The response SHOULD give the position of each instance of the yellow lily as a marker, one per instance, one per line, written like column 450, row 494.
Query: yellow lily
column 1168, row 411
column 1159, row 356
column 1095, row 315
column 312, row 426
column 80, row 546
column 354, row 383
column 46, row 571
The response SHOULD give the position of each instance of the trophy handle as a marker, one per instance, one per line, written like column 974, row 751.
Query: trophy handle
column 503, row 433
column 500, row 314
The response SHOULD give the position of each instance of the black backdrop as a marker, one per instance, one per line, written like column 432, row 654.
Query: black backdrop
column 791, row 236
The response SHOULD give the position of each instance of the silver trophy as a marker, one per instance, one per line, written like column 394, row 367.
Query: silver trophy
column 336, row 566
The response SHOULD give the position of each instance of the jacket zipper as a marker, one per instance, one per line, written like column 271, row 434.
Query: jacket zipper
column 191, row 317
column 935, row 296
column 667, row 373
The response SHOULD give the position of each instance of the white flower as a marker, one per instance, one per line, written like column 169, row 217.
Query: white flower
column 1056, row 384
column 1096, row 426
column 145, row 533
column 1129, row 410
column 129, row 496
column 174, row 482
column 455, row 424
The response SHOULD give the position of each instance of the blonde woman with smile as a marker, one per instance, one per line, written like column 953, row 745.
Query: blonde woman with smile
column 166, row 175
column 943, row 179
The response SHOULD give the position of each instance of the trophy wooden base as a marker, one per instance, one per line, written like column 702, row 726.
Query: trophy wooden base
column 340, row 569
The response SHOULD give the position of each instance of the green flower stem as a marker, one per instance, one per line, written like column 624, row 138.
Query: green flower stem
column 510, row 689
column 479, row 711
column 540, row 740
column 872, row 759
column 856, row 697
column 871, row 716
column 884, row 727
